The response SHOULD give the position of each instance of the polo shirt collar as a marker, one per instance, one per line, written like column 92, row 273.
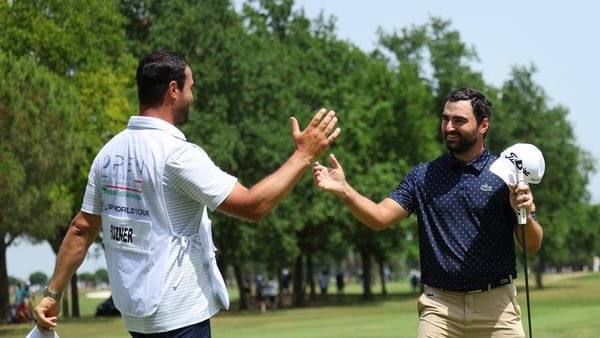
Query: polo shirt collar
column 478, row 163
column 148, row 122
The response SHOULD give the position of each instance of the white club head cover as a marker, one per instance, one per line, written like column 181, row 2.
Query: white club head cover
column 533, row 163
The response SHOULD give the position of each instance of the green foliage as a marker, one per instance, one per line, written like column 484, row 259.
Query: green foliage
column 56, row 55
column 40, row 145
column 66, row 36
column 38, row 157
column 68, row 86
column 13, row 280
column 87, row 278
column 523, row 114
column 101, row 276
column 38, row 278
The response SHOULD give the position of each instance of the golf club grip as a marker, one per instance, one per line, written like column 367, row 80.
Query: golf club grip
column 522, row 214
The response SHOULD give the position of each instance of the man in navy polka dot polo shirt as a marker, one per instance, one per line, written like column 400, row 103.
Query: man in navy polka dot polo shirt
column 467, row 224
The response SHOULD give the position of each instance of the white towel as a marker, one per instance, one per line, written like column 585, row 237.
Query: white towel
column 36, row 333
column 218, row 284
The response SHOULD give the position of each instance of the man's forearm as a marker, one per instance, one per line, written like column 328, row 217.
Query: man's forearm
column 72, row 252
column 274, row 188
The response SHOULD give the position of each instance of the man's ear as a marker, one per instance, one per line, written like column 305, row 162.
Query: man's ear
column 172, row 92
column 485, row 124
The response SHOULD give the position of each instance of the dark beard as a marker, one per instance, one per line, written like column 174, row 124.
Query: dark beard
column 463, row 145
column 182, row 115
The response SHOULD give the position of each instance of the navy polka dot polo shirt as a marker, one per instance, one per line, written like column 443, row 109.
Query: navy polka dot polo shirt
column 466, row 223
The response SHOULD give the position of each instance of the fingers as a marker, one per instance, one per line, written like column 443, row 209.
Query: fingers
column 521, row 189
column 325, row 122
column 334, row 162
column 522, row 196
column 317, row 119
column 317, row 167
column 319, row 172
column 318, row 135
column 333, row 136
column 44, row 322
column 295, row 126
column 328, row 123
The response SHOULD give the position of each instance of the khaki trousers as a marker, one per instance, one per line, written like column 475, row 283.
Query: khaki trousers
column 494, row 313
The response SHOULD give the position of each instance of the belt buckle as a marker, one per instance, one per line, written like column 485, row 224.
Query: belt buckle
column 490, row 286
column 476, row 291
column 487, row 287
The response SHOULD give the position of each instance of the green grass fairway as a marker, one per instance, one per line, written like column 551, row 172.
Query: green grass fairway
column 567, row 307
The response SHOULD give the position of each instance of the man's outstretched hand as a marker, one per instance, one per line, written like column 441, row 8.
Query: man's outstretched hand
column 318, row 135
column 330, row 179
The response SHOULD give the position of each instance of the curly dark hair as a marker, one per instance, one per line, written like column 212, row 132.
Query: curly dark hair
column 154, row 73
column 482, row 107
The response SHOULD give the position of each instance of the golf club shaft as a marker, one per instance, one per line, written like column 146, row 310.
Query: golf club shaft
column 522, row 220
column 521, row 180
column 525, row 269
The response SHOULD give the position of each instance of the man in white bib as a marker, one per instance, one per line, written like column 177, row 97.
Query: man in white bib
column 148, row 192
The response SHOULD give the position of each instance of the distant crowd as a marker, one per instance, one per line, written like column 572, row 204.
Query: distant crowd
column 21, row 308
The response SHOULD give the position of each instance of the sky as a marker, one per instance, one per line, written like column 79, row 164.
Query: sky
column 558, row 37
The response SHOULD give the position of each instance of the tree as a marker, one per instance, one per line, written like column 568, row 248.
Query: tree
column 34, row 157
column 88, row 278
column 101, row 276
column 524, row 115
column 13, row 280
column 38, row 278
column 63, row 36
column 82, row 43
column 253, row 71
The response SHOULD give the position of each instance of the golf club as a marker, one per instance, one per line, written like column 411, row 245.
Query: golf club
column 522, row 220
column 521, row 163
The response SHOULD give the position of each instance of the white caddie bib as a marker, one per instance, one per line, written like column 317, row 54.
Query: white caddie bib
column 127, row 234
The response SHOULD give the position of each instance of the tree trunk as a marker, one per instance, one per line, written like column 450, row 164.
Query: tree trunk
column 310, row 277
column 383, row 277
column 366, row 273
column 4, row 287
column 65, row 310
column 280, row 295
column 243, row 289
column 298, row 293
column 539, row 272
column 75, row 296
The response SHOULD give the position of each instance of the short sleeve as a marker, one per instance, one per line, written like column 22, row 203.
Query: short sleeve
column 92, row 199
column 405, row 194
column 190, row 171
